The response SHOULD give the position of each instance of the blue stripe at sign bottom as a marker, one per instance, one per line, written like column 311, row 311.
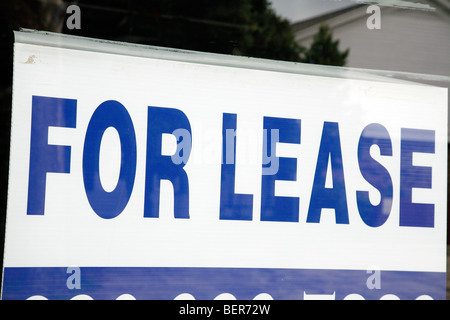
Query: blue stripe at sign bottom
column 110, row 283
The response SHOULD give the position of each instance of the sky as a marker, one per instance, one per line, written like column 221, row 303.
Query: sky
column 298, row 10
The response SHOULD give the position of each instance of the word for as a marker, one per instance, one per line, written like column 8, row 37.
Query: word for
column 58, row 112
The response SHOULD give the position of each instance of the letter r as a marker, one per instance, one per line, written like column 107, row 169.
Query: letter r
column 47, row 112
column 162, row 167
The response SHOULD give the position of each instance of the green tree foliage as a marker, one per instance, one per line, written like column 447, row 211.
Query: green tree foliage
column 325, row 50
column 240, row 27
column 269, row 36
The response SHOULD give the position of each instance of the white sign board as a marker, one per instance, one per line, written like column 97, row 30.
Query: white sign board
column 161, row 174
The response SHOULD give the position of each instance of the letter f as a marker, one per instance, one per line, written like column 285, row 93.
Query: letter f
column 47, row 112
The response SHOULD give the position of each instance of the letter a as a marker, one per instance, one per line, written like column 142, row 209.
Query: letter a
column 374, row 21
column 74, row 280
column 374, row 281
column 74, row 21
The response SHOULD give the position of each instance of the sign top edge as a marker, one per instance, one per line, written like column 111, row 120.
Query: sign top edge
column 44, row 38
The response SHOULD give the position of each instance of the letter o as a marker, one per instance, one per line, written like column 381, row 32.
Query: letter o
column 109, row 205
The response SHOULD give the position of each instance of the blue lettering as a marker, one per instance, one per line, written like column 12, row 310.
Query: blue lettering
column 415, row 214
column 47, row 112
column 375, row 174
column 277, row 208
column 335, row 197
column 159, row 167
column 108, row 205
column 58, row 112
column 233, row 206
